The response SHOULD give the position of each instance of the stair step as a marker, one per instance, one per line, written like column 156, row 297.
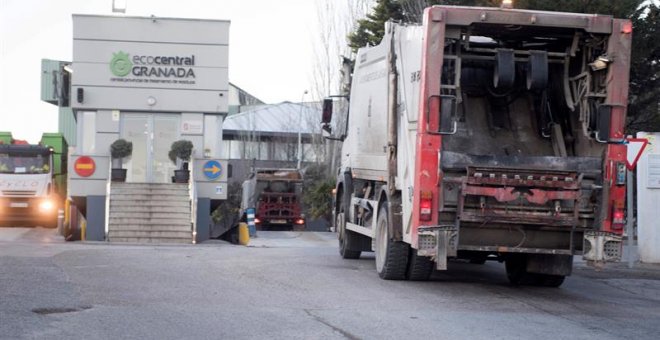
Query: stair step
column 149, row 185
column 149, row 227
column 149, row 191
column 150, row 240
column 149, row 221
column 151, row 215
column 142, row 197
column 132, row 208
column 148, row 203
column 150, row 234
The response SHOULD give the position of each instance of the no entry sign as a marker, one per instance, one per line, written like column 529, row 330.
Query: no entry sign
column 84, row 166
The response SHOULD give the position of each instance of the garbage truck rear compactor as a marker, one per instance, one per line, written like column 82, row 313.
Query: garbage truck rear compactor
column 485, row 133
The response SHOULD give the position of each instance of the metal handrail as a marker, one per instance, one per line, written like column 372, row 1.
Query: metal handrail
column 193, row 199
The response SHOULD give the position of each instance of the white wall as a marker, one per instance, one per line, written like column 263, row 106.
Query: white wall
column 648, row 199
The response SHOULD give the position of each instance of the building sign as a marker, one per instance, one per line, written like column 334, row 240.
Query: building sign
column 158, row 69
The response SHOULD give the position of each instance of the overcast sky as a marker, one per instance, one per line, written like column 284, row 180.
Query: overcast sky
column 270, row 48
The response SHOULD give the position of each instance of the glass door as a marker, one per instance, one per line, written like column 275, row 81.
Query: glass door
column 152, row 136
column 135, row 129
column 165, row 132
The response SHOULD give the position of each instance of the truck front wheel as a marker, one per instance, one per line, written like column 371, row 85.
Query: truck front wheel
column 391, row 256
column 347, row 239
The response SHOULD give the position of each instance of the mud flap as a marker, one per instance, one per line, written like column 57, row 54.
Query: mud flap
column 550, row 264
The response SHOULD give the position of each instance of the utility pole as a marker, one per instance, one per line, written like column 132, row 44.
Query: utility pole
column 300, row 130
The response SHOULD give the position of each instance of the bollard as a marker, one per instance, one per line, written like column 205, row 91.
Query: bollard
column 250, row 219
column 243, row 234
column 60, row 221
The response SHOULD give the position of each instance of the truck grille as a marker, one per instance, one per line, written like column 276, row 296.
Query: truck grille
column 20, row 193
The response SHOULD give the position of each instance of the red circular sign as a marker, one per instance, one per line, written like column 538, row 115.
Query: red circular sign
column 84, row 166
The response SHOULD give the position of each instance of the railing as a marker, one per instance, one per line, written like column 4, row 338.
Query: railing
column 108, row 191
column 192, row 189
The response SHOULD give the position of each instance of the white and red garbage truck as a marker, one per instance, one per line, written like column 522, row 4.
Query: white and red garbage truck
column 485, row 133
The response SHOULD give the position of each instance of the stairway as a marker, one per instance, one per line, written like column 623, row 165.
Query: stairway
column 149, row 213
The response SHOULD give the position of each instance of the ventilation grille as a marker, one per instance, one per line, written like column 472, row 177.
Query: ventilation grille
column 20, row 193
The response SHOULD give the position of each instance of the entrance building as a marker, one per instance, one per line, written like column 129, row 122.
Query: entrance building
column 151, row 81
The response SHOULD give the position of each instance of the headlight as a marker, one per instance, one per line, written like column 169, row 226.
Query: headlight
column 46, row 205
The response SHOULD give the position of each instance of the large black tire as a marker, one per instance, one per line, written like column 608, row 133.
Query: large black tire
column 348, row 239
column 420, row 268
column 516, row 271
column 548, row 280
column 391, row 256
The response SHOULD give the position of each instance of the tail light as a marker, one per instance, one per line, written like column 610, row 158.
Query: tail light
column 300, row 221
column 618, row 218
column 425, row 206
column 257, row 221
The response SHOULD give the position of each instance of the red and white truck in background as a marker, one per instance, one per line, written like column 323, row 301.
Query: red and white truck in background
column 276, row 197
column 485, row 133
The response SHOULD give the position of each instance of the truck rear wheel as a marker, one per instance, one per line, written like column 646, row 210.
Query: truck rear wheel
column 391, row 256
column 419, row 267
column 516, row 271
column 548, row 280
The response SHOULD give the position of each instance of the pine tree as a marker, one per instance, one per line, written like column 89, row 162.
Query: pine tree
column 371, row 30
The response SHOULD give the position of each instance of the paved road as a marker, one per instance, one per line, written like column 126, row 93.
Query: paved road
column 291, row 285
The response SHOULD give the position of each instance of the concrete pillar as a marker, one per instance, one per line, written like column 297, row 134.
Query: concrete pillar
column 203, row 219
column 95, row 218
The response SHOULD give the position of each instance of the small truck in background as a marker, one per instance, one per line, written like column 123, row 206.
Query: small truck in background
column 32, row 180
column 276, row 196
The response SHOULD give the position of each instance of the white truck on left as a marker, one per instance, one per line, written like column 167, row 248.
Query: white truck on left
column 27, row 192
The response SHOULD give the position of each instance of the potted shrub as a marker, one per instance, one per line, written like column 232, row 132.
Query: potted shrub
column 180, row 154
column 119, row 149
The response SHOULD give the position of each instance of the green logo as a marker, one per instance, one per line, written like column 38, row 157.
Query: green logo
column 120, row 65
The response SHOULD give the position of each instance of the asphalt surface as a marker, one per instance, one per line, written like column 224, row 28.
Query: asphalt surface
column 294, row 285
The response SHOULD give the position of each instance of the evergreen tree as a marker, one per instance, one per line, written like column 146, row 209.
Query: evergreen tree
column 370, row 31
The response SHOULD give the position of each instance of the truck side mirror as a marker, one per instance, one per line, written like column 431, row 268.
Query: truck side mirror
column 603, row 118
column 334, row 124
column 448, row 124
column 326, row 118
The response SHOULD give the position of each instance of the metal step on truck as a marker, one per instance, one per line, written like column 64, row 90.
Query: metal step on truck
column 485, row 134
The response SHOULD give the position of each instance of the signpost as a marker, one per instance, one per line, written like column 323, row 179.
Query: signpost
column 634, row 150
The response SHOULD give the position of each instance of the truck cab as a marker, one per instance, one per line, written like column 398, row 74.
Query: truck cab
column 27, row 193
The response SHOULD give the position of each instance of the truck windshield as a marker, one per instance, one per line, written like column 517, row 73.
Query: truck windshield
column 24, row 163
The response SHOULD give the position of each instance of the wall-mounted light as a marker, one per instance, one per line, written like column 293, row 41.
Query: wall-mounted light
column 80, row 94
